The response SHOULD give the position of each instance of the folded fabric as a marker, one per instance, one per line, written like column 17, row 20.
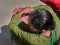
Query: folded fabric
column 55, row 4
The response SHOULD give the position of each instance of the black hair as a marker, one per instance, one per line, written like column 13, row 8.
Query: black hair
column 42, row 19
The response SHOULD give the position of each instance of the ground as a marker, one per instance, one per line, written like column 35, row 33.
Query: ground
column 6, row 7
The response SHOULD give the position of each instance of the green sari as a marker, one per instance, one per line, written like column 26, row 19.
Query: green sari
column 20, row 31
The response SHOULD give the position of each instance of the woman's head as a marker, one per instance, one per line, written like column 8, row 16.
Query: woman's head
column 41, row 20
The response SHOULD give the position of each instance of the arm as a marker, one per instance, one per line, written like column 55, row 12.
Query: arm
column 14, row 28
column 14, row 22
column 15, row 19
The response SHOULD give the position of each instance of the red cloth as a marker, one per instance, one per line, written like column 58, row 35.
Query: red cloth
column 55, row 4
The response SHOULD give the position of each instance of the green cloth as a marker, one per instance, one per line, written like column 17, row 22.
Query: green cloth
column 20, row 31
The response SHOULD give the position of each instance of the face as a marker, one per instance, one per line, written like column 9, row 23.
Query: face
column 32, row 28
column 24, row 19
column 24, row 14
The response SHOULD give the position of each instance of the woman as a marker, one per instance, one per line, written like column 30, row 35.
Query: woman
column 35, row 28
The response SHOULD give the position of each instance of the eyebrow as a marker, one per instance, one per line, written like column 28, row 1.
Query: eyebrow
column 25, row 14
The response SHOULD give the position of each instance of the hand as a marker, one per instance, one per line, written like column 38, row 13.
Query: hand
column 17, row 10
column 24, row 14
column 28, row 9
column 21, row 11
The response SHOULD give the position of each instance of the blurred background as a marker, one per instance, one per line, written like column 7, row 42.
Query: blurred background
column 6, row 7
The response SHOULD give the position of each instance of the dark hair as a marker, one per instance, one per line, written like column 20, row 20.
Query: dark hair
column 42, row 19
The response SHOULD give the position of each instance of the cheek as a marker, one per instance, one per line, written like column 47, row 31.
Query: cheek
column 32, row 28
column 24, row 19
